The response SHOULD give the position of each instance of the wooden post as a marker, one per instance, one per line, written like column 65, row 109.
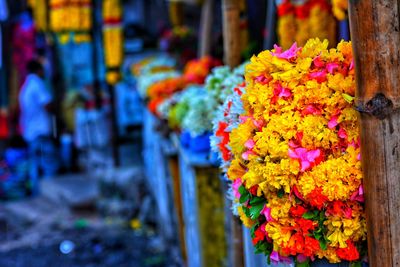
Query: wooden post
column 231, row 31
column 206, row 28
column 375, row 32
column 231, row 27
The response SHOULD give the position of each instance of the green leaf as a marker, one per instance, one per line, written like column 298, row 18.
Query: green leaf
column 348, row 98
column 323, row 243
column 256, row 210
column 303, row 264
column 243, row 198
column 257, row 200
column 310, row 215
column 242, row 190
column 356, row 264
column 280, row 193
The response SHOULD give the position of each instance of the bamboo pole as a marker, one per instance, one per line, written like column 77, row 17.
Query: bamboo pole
column 375, row 34
column 231, row 33
column 231, row 28
column 206, row 28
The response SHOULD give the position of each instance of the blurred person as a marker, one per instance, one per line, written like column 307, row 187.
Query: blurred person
column 36, row 123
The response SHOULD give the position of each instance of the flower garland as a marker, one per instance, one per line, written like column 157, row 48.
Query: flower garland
column 339, row 9
column 227, row 114
column 299, row 21
column 39, row 8
column 296, row 165
column 70, row 15
column 113, row 39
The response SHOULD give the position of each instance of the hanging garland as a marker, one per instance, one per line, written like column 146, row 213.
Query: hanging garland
column 296, row 155
column 39, row 14
column 339, row 9
column 70, row 15
column 113, row 39
column 299, row 21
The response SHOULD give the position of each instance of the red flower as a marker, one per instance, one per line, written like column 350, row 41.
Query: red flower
column 311, row 246
column 305, row 225
column 340, row 209
column 350, row 253
column 297, row 211
column 253, row 190
column 295, row 245
column 317, row 199
column 259, row 235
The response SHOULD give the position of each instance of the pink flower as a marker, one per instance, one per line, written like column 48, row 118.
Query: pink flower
column 235, row 187
column 243, row 118
column 320, row 76
column 331, row 67
column 333, row 122
column 358, row 195
column 306, row 158
column 262, row 79
column 258, row 123
column 267, row 213
column 351, row 64
column 289, row 54
column 310, row 109
column 246, row 154
column 276, row 258
column 280, row 92
column 359, row 156
column 342, row 133
column 249, row 144
column 318, row 62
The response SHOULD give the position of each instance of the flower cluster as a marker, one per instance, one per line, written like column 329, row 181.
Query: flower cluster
column 296, row 167
column 195, row 72
column 298, row 22
column 227, row 115
column 152, row 69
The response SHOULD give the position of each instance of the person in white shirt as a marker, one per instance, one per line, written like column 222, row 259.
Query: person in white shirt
column 36, row 123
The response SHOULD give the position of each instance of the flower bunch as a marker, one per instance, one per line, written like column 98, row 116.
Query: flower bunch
column 227, row 114
column 194, row 72
column 339, row 9
column 151, row 65
column 175, row 108
column 300, row 20
column 296, row 167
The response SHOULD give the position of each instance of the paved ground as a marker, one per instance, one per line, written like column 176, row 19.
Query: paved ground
column 100, row 227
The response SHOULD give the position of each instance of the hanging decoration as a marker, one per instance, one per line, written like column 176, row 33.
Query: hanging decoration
column 113, row 39
column 39, row 8
column 301, row 20
column 296, row 169
column 70, row 15
column 339, row 9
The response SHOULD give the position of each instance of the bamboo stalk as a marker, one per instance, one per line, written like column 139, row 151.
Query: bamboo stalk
column 206, row 28
column 375, row 34
column 231, row 31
